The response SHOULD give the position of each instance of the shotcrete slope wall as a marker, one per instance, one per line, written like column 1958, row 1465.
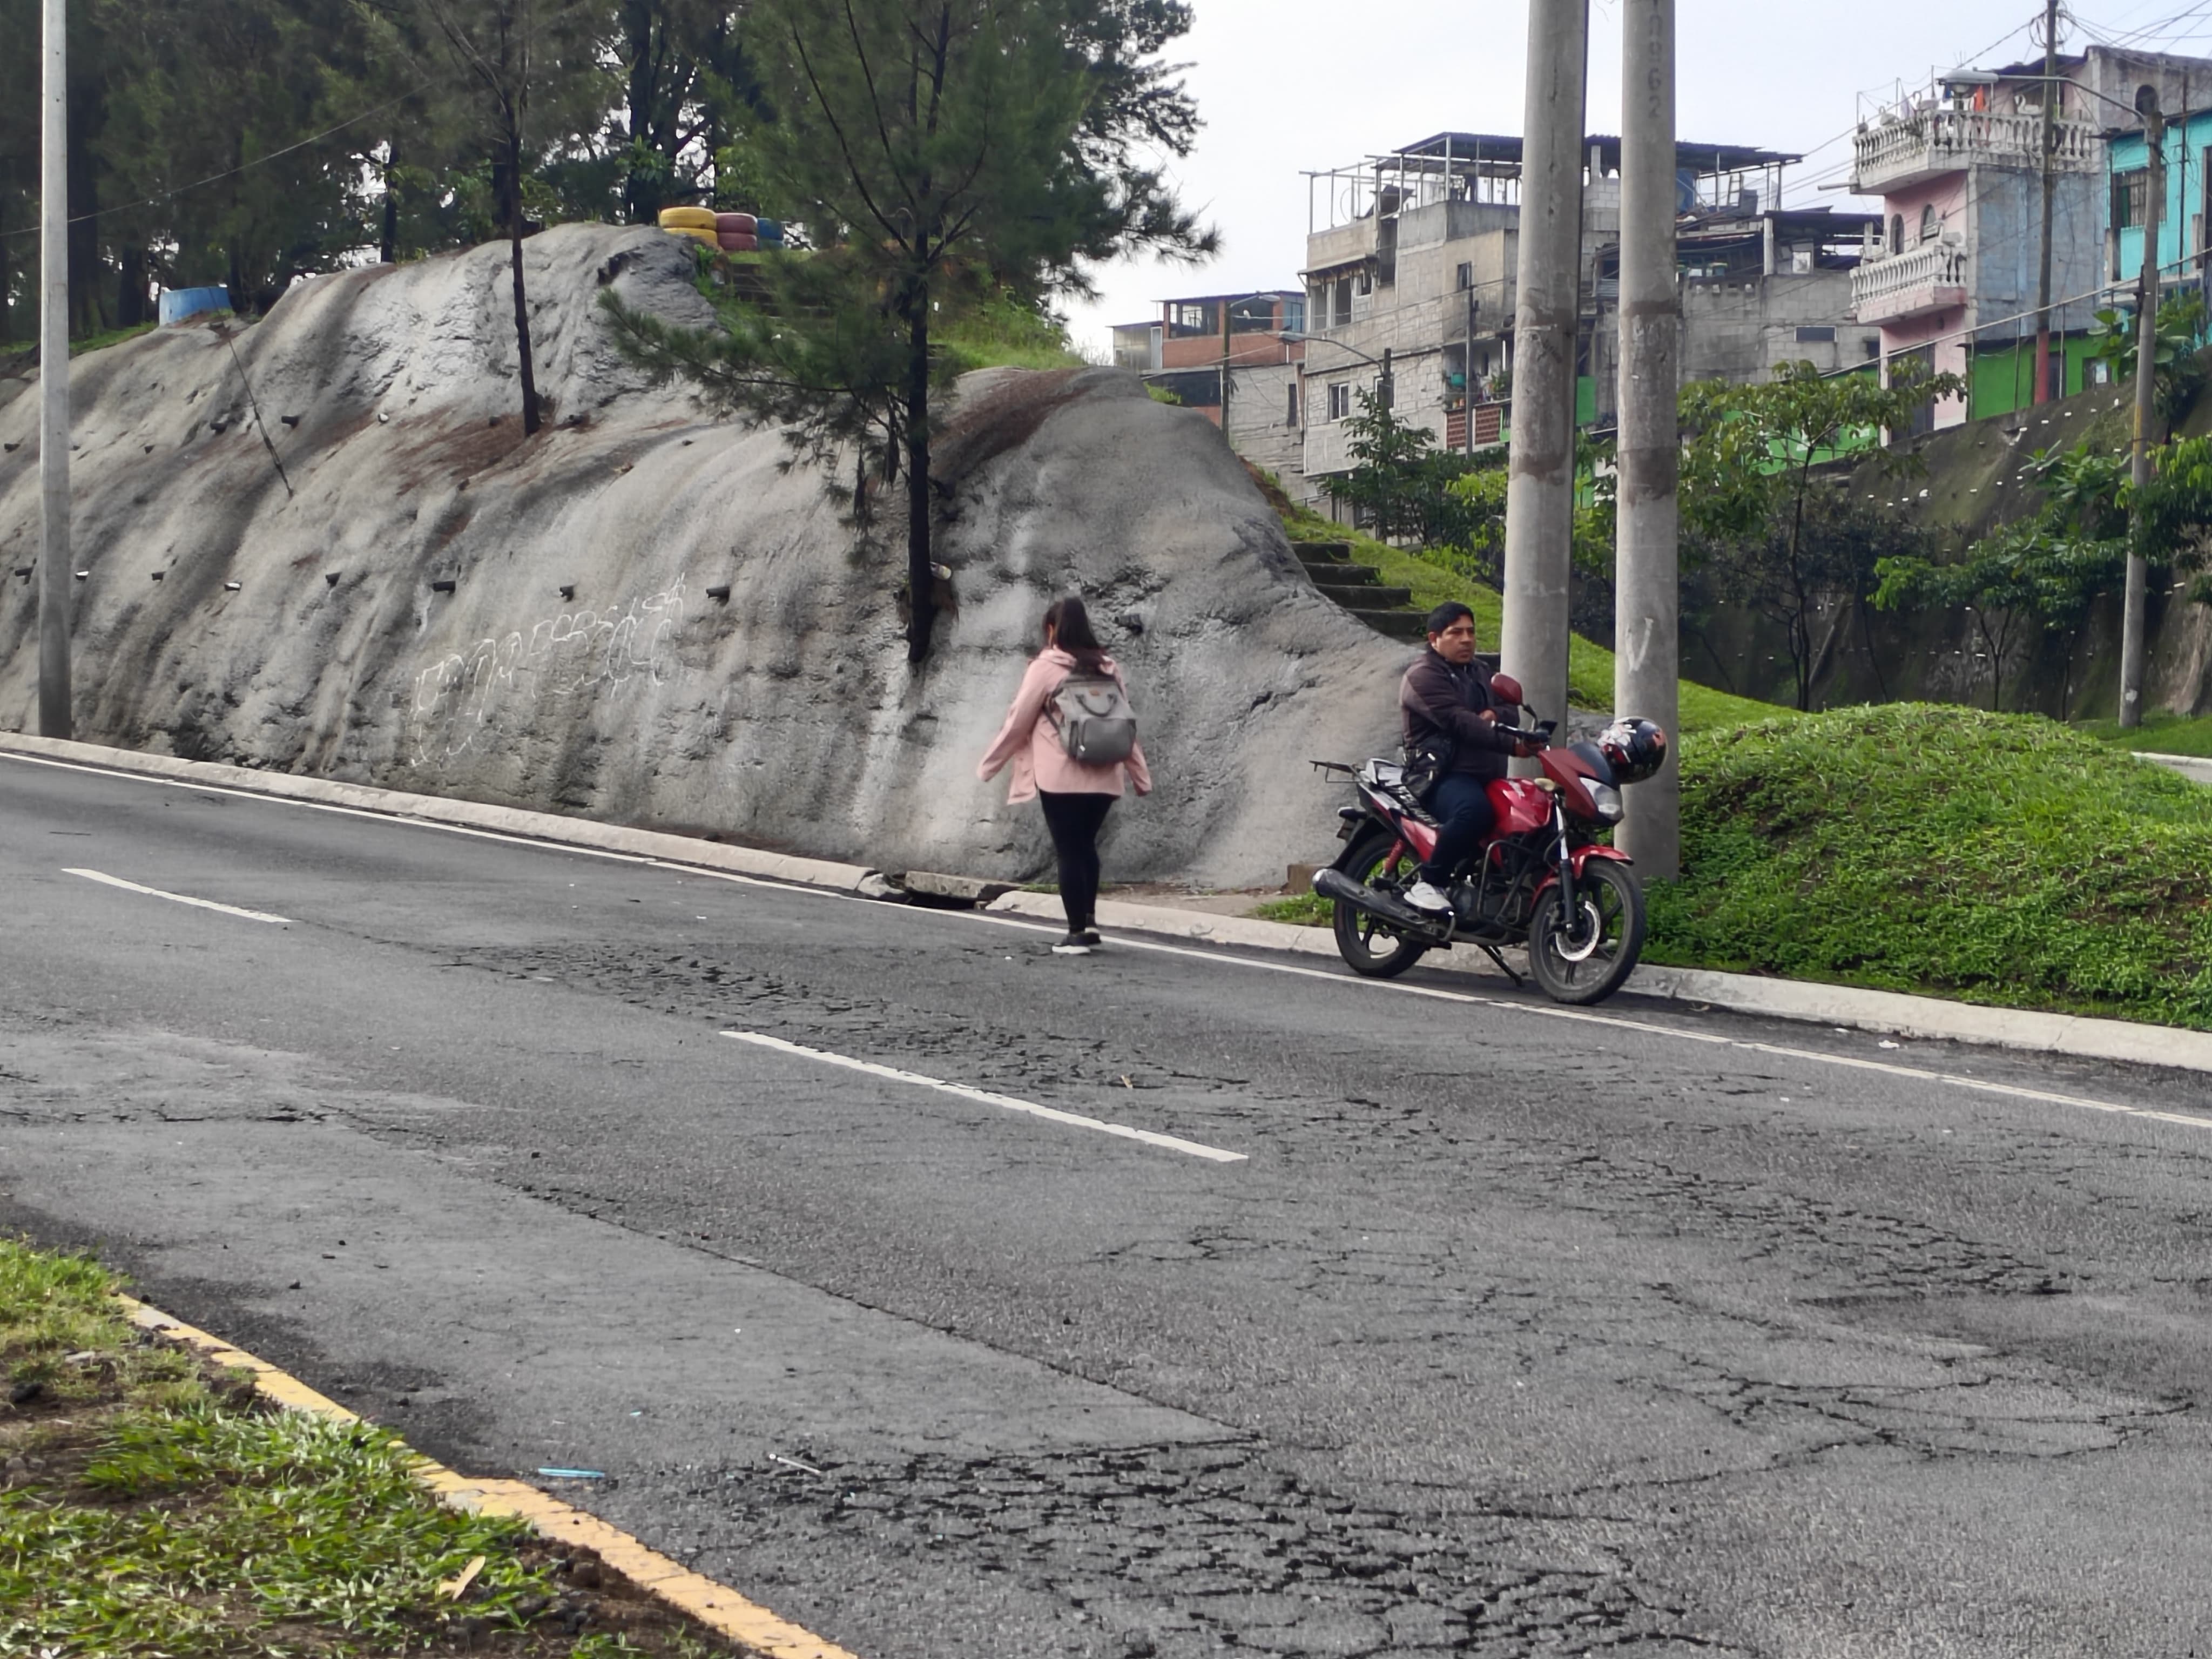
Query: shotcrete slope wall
column 580, row 664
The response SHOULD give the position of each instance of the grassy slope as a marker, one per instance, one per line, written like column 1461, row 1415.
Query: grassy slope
column 1590, row 666
column 1998, row 859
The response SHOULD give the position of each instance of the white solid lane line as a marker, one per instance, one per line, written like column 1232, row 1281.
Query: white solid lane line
column 1150, row 1136
column 179, row 898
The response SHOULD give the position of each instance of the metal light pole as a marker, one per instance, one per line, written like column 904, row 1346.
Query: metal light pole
column 1646, row 675
column 1540, row 499
column 2043, row 392
column 53, row 384
column 2136, row 600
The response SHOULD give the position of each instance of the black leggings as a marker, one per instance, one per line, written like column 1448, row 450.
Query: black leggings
column 1075, row 821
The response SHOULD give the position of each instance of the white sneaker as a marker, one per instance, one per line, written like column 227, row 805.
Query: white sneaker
column 1423, row 897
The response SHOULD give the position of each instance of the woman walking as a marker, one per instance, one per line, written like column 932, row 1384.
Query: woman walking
column 1076, row 795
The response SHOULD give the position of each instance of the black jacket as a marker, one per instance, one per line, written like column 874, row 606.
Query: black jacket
column 1438, row 698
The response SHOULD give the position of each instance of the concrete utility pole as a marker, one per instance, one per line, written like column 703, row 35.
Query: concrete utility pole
column 1646, row 675
column 53, row 385
column 1539, row 498
column 2136, row 600
column 2042, row 392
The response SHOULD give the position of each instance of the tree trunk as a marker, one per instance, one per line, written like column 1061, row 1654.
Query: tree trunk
column 919, row 567
column 387, row 241
column 88, row 301
column 521, row 300
column 643, row 191
column 131, row 290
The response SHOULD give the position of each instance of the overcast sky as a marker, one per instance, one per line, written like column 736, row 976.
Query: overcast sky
column 1290, row 86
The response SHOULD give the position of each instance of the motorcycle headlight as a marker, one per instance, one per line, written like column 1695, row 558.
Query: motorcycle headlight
column 1607, row 799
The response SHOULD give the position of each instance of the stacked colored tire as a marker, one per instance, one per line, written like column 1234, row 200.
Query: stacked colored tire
column 704, row 238
column 770, row 231
column 738, row 242
column 688, row 218
column 736, row 224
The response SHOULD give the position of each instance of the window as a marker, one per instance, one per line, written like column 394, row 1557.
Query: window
column 1823, row 334
column 1256, row 315
column 1896, row 234
column 1291, row 408
column 1466, row 276
column 1929, row 224
column 1294, row 316
column 1343, row 301
column 1340, row 400
column 1192, row 319
column 1363, row 281
column 2130, row 198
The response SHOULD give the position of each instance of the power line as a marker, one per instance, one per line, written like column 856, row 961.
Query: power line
column 244, row 167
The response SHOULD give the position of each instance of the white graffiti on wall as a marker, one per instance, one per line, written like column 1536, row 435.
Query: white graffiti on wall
column 466, row 701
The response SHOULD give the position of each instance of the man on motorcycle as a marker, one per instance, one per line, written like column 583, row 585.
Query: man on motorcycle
column 1446, row 709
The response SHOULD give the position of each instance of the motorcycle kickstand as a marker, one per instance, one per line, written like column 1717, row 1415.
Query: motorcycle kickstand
column 1504, row 968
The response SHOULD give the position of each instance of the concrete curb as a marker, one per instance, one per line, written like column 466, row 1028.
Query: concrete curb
column 716, row 1606
column 2196, row 768
column 1894, row 1012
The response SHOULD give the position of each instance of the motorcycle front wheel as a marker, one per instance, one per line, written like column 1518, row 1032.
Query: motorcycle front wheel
column 1367, row 944
column 1586, row 957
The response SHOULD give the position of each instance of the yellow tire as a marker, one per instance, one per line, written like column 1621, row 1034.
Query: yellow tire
column 705, row 238
column 687, row 218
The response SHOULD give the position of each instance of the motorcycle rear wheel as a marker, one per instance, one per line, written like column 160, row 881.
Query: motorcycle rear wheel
column 1587, row 961
column 1368, row 945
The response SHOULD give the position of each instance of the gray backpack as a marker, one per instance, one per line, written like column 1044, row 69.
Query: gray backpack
column 1092, row 713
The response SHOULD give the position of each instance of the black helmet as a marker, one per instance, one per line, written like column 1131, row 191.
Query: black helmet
column 1636, row 748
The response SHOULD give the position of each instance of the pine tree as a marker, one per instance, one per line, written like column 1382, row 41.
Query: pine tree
column 943, row 155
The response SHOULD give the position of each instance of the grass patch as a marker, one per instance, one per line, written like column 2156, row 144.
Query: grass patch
column 151, row 1505
column 2159, row 734
column 113, row 337
column 1590, row 666
column 1300, row 910
column 1997, row 858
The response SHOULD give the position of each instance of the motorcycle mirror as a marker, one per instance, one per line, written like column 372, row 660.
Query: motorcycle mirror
column 1506, row 689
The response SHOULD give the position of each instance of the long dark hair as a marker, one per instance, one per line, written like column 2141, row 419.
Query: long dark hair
column 1071, row 630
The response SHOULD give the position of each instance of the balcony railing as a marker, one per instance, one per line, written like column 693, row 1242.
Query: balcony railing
column 1897, row 150
column 1932, row 278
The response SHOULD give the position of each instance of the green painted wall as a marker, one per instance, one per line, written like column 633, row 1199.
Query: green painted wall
column 2002, row 378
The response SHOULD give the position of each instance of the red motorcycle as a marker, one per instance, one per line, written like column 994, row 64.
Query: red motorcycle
column 1543, row 879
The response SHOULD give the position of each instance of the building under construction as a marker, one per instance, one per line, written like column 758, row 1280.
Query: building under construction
column 1410, row 271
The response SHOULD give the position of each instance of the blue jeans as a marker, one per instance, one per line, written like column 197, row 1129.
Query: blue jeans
column 1460, row 806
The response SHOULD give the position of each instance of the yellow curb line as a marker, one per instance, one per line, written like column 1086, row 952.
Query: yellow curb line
column 715, row 1605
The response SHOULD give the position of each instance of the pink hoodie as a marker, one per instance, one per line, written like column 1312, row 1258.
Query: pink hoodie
column 1029, row 739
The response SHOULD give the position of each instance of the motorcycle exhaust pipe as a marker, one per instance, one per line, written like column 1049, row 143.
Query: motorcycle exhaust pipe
column 1336, row 885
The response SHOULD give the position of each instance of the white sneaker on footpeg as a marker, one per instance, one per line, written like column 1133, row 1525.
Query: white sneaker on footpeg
column 1423, row 897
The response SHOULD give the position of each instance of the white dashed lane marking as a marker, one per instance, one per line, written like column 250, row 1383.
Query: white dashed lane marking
column 178, row 899
column 1052, row 1115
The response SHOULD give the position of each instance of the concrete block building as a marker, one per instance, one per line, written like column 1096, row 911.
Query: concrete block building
column 1958, row 168
column 1235, row 356
column 1410, row 260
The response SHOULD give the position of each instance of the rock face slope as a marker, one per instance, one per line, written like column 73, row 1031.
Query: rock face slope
column 424, row 599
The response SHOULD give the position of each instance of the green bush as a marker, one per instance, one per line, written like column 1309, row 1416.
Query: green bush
column 1998, row 859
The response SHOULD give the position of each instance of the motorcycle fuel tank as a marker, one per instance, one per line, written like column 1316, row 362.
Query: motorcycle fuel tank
column 1521, row 805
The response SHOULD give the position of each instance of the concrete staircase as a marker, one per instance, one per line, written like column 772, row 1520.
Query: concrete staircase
column 1360, row 590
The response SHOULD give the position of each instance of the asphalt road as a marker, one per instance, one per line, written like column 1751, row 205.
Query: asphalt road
column 1431, row 1320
